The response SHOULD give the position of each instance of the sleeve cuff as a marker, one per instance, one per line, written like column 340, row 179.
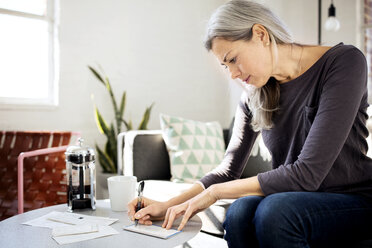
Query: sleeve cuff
column 261, row 182
column 198, row 182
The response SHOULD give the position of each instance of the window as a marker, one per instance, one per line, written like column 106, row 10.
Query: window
column 28, row 53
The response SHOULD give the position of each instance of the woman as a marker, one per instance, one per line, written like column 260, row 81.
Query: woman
column 309, row 103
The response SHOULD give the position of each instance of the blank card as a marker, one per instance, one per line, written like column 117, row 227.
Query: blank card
column 153, row 230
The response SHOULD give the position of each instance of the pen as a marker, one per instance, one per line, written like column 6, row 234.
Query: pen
column 139, row 200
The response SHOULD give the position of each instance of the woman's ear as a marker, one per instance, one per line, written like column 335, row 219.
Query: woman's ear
column 260, row 34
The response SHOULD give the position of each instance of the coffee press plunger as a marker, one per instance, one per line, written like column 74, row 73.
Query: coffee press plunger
column 81, row 177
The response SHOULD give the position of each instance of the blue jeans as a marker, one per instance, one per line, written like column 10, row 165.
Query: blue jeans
column 298, row 219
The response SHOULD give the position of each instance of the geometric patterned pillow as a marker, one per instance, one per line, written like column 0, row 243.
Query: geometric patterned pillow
column 194, row 147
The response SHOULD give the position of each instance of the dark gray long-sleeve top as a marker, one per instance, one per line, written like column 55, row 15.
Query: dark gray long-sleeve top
column 318, row 142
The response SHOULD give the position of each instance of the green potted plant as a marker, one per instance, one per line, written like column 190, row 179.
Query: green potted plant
column 107, row 156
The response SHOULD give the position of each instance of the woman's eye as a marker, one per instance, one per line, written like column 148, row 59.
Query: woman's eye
column 231, row 61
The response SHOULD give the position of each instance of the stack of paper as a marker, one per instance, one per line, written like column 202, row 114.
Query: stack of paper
column 70, row 227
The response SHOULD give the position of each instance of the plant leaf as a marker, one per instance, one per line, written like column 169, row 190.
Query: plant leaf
column 98, row 76
column 122, row 104
column 130, row 125
column 111, row 144
column 119, row 115
column 106, row 82
column 113, row 100
column 145, row 118
column 101, row 124
column 126, row 124
column 102, row 161
column 108, row 85
column 106, row 160
column 105, row 167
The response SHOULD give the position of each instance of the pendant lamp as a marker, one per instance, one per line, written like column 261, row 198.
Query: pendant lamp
column 332, row 23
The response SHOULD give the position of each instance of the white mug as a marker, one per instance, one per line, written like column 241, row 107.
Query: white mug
column 122, row 190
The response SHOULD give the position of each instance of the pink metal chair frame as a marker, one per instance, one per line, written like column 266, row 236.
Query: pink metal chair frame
column 20, row 162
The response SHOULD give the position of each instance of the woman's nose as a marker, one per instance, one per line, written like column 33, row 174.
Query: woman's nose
column 234, row 72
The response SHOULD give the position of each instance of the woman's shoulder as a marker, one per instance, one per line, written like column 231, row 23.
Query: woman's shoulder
column 344, row 64
column 340, row 56
column 346, row 54
column 342, row 48
column 328, row 54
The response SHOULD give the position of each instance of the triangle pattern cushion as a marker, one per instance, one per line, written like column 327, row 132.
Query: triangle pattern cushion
column 198, row 131
column 194, row 147
column 183, row 145
column 186, row 130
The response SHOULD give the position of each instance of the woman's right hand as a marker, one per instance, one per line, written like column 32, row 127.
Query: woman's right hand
column 151, row 210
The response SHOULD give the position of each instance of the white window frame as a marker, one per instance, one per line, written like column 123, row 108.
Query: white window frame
column 52, row 100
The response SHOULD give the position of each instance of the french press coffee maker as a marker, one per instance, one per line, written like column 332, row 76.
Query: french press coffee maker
column 81, row 177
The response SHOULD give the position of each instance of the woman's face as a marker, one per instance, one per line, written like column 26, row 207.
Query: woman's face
column 250, row 61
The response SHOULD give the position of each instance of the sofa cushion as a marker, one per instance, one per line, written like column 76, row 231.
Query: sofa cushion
column 194, row 147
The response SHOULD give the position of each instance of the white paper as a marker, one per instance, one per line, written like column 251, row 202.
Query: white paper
column 60, row 219
column 73, row 230
column 102, row 232
column 80, row 219
column 70, row 227
column 43, row 221
column 153, row 230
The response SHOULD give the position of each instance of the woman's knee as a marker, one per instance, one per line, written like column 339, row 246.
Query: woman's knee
column 239, row 230
column 278, row 218
column 241, row 211
column 273, row 211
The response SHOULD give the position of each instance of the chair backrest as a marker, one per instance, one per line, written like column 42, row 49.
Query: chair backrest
column 44, row 175
column 150, row 155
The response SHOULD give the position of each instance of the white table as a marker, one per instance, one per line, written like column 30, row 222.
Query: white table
column 14, row 234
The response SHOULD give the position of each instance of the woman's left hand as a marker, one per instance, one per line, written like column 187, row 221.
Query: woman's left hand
column 189, row 208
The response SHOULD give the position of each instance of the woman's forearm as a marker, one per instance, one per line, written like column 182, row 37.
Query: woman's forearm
column 190, row 193
column 228, row 190
column 237, row 188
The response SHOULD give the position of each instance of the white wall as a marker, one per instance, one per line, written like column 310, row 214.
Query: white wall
column 301, row 17
column 151, row 49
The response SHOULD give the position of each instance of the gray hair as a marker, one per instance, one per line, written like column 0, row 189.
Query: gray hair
column 233, row 21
